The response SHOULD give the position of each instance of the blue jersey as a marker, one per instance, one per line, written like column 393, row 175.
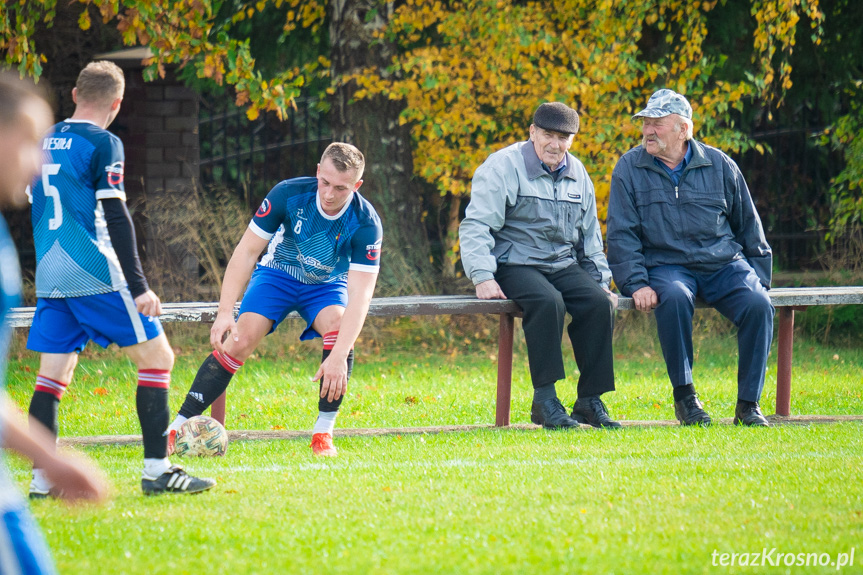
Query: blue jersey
column 10, row 296
column 10, row 291
column 308, row 244
column 82, row 164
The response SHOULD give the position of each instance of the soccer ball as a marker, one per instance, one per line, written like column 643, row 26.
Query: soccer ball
column 201, row 436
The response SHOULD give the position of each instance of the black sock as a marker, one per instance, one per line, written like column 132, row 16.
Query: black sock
column 210, row 382
column 323, row 404
column 154, row 416
column 683, row 391
column 43, row 408
column 544, row 393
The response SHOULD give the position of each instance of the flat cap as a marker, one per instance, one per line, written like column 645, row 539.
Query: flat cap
column 556, row 117
column 664, row 102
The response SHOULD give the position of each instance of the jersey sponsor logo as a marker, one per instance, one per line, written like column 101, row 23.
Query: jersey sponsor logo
column 57, row 144
column 310, row 261
column 65, row 128
column 264, row 209
column 373, row 251
column 115, row 173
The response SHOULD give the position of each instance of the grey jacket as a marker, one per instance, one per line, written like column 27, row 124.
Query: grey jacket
column 519, row 215
column 705, row 222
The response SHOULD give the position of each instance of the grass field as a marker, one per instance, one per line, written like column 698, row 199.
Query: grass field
column 640, row 500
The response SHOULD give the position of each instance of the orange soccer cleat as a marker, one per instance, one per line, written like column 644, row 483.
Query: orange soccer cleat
column 322, row 445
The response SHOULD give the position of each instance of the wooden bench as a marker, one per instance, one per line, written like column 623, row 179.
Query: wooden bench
column 786, row 300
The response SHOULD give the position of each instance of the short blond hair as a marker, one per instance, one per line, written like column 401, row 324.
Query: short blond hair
column 345, row 157
column 100, row 82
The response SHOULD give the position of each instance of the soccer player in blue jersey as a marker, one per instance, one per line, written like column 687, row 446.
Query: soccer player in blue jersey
column 24, row 117
column 89, row 282
column 323, row 243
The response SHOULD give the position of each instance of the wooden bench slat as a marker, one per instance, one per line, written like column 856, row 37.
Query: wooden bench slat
column 465, row 305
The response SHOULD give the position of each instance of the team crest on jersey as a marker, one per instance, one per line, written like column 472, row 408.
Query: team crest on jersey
column 264, row 209
column 115, row 173
column 373, row 251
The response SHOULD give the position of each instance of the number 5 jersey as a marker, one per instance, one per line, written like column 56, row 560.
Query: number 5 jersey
column 82, row 165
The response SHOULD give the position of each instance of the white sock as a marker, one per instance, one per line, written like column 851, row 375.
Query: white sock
column 40, row 483
column 175, row 425
column 154, row 467
column 326, row 422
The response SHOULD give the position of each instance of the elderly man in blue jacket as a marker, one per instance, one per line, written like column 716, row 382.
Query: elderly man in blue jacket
column 531, row 233
column 681, row 225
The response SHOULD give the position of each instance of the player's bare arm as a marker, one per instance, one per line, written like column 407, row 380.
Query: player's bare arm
column 237, row 275
column 333, row 372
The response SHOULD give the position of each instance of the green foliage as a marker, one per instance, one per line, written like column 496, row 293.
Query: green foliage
column 473, row 71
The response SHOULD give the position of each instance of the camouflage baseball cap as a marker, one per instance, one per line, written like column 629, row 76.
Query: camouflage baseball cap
column 664, row 102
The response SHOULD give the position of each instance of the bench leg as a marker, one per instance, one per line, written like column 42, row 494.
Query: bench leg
column 783, row 362
column 217, row 409
column 504, row 370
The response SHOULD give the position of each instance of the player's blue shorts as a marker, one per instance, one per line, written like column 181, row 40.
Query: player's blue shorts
column 274, row 294
column 64, row 325
column 22, row 547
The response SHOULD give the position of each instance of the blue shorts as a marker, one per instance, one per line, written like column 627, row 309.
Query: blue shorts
column 64, row 325
column 274, row 294
column 22, row 547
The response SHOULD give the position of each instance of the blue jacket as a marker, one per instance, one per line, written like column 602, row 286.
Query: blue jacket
column 704, row 223
column 519, row 215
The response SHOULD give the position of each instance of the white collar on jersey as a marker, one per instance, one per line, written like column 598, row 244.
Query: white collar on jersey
column 71, row 121
column 338, row 215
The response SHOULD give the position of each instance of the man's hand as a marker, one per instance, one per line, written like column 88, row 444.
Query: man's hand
column 224, row 324
column 333, row 375
column 148, row 304
column 489, row 290
column 74, row 479
column 612, row 296
column 645, row 299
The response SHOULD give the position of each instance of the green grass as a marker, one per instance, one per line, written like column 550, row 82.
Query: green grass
column 640, row 500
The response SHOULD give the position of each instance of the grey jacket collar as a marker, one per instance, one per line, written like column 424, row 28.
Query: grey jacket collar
column 534, row 164
column 699, row 158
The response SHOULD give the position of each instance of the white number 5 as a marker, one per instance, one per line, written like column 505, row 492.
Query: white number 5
column 53, row 193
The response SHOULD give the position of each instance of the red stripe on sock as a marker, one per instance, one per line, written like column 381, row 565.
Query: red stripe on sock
column 230, row 364
column 330, row 339
column 159, row 378
column 51, row 386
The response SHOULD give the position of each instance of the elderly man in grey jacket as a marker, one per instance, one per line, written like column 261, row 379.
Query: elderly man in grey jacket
column 531, row 233
column 681, row 225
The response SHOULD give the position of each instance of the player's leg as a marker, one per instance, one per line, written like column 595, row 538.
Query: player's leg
column 57, row 336
column 268, row 299
column 155, row 360
column 216, row 371
column 327, row 323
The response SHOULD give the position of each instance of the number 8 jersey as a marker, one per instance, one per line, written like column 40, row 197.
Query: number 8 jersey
column 82, row 164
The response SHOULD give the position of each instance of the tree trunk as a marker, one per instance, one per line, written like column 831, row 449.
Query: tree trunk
column 450, row 258
column 373, row 126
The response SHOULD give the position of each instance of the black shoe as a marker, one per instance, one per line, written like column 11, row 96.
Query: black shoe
column 689, row 411
column 592, row 411
column 175, row 480
column 551, row 414
column 749, row 413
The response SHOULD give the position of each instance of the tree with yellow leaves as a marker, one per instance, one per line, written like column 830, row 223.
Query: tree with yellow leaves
column 473, row 71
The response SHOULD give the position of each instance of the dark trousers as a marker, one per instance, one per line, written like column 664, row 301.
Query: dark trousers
column 545, row 298
column 736, row 292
